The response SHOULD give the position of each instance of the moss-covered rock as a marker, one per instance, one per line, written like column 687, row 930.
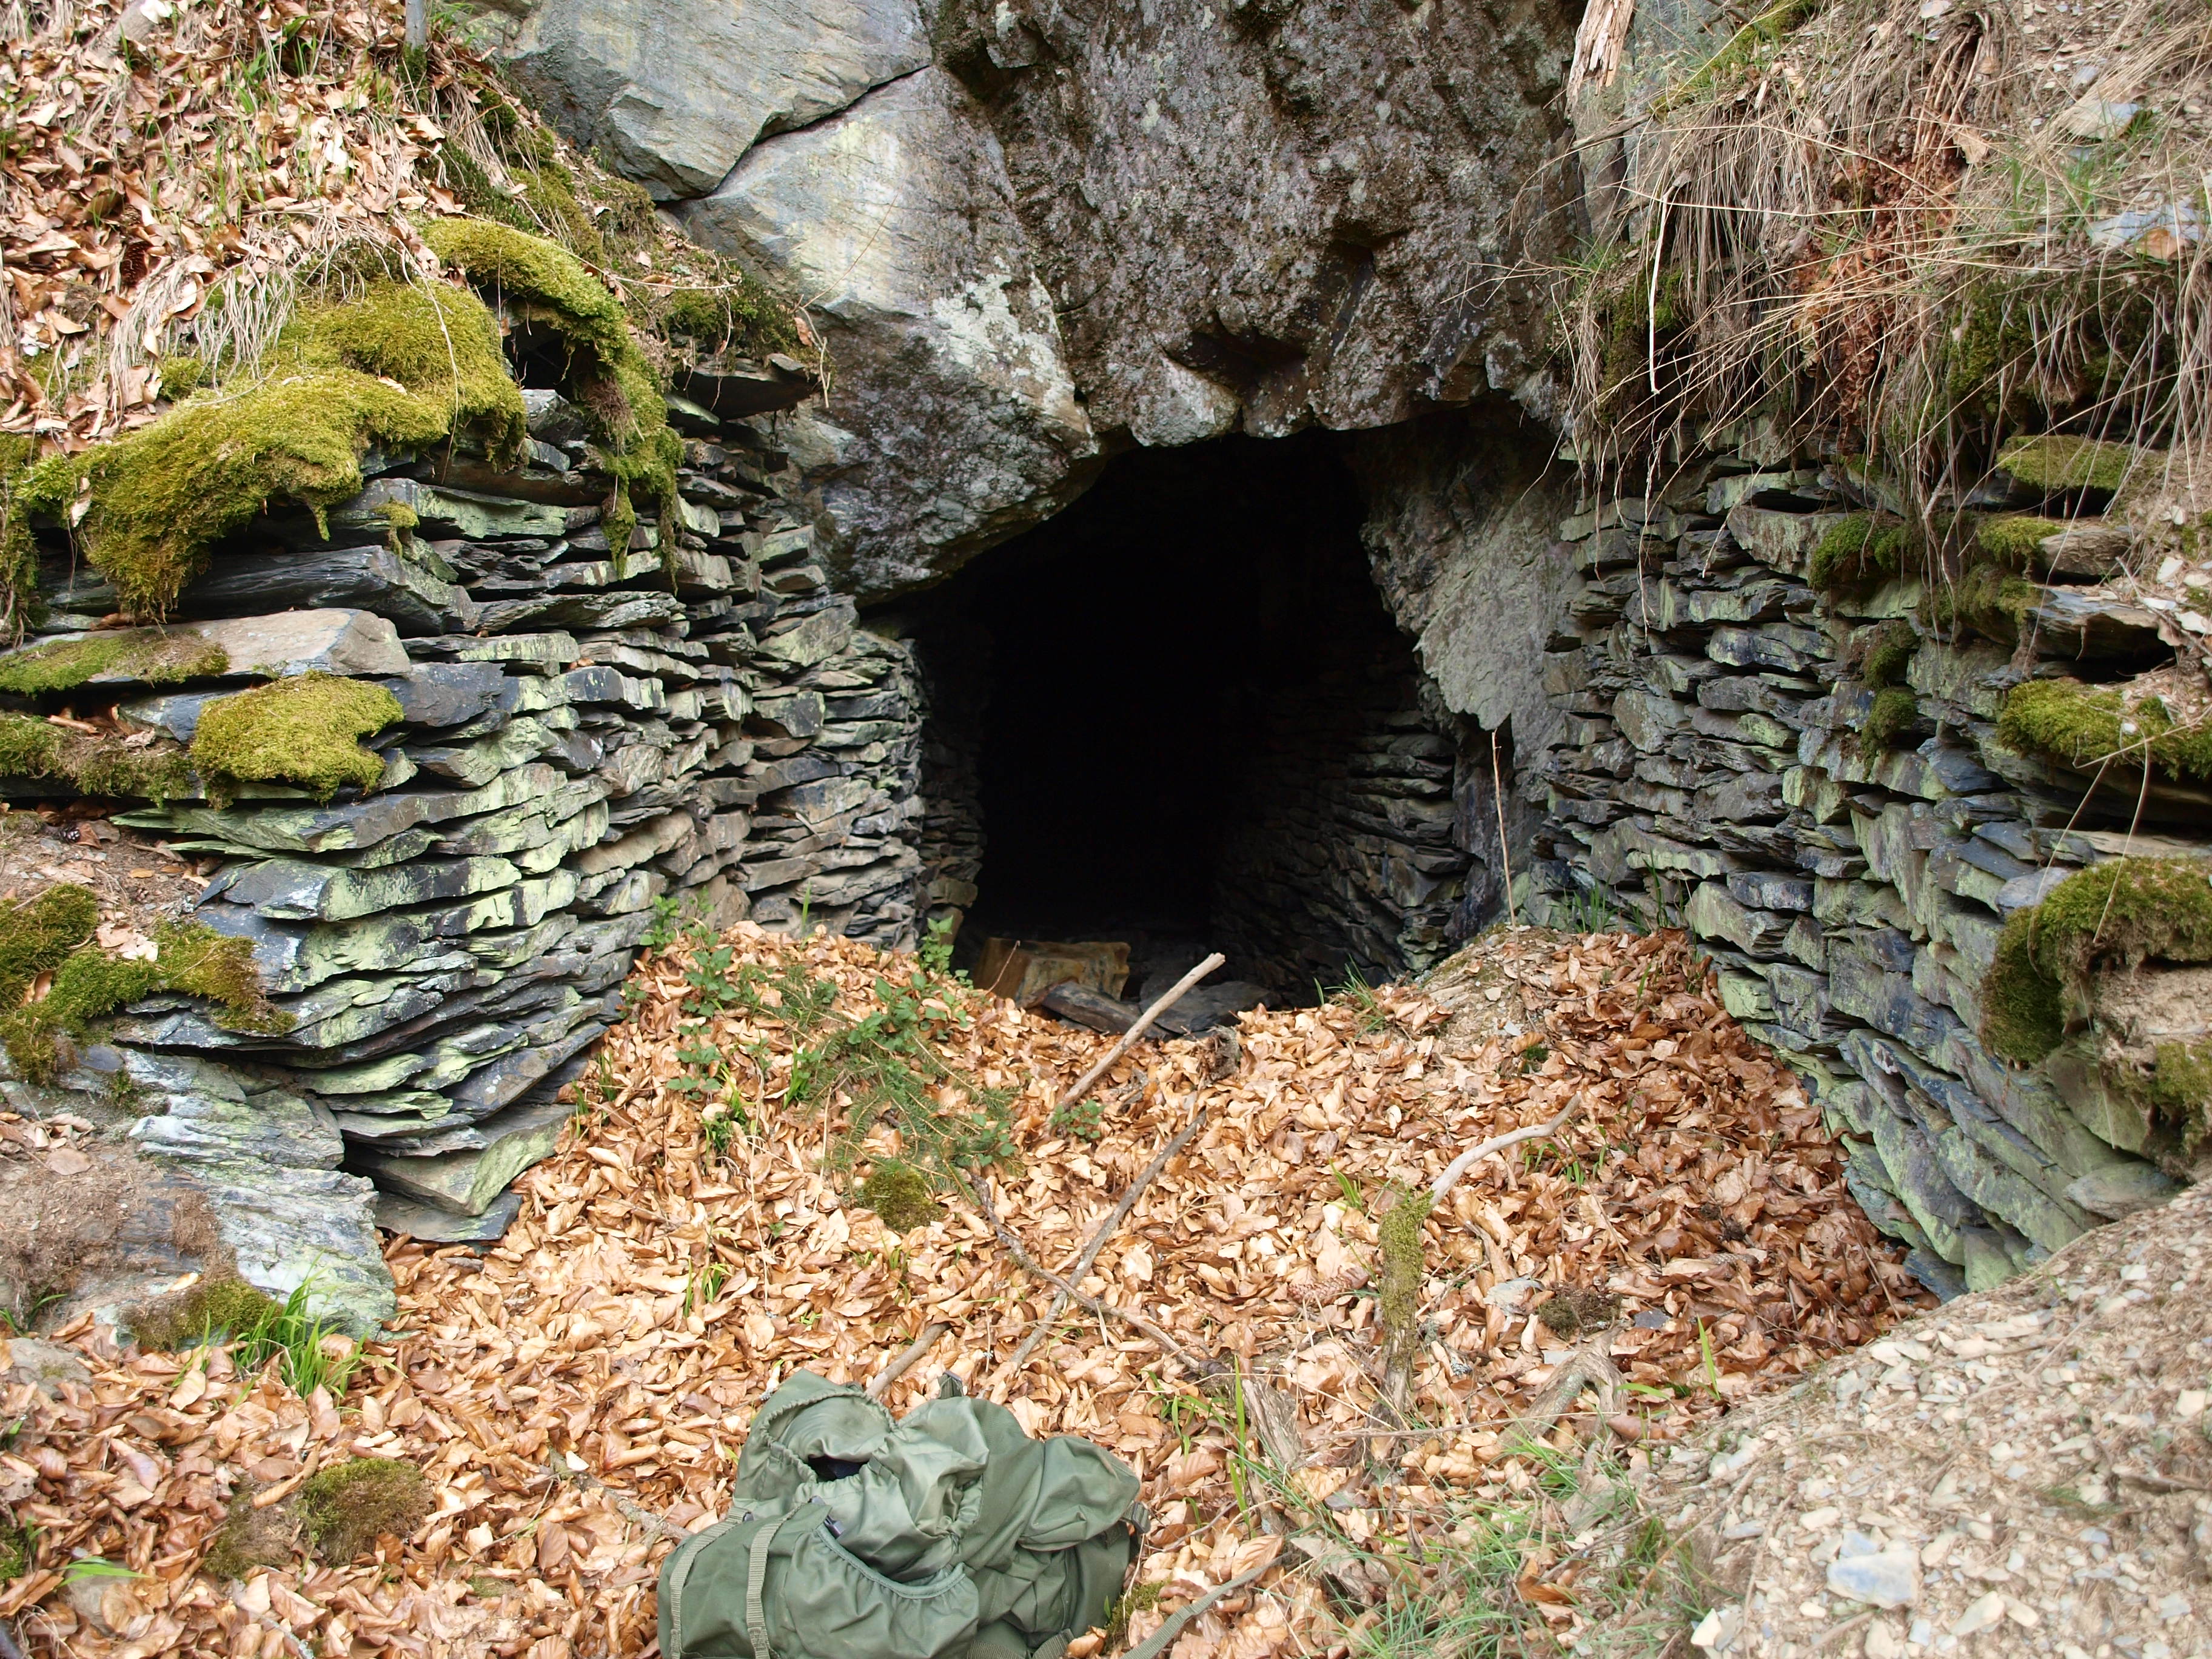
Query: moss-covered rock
column 1988, row 600
column 545, row 283
column 2180, row 1090
column 1895, row 712
column 2015, row 541
column 155, row 660
column 19, row 605
column 304, row 729
column 2086, row 726
column 346, row 1509
column 210, row 1310
column 2056, row 463
column 92, row 764
column 2113, row 916
column 17, row 1543
column 89, row 985
column 250, row 1538
column 37, row 935
column 1858, row 549
column 1889, row 653
column 154, row 502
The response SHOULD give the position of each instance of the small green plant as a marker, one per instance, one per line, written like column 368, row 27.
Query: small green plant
column 93, row 1569
column 667, row 923
column 313, row 1353
column 1357, row 993
column 1082, row 1120
column 346, row 1509
column 1587, row 910
column 935, row 953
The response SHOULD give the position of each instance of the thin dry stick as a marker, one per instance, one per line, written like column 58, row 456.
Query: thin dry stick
column 1504, row 853
column 1105, row 1231
column 1474, row 1155
column 564, row 1468
column 1029, row 1264
column 908, row 1357
column 1089, row 1081
column 1161, row 1639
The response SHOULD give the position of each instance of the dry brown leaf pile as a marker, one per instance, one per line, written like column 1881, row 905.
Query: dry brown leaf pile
column 652, row 1292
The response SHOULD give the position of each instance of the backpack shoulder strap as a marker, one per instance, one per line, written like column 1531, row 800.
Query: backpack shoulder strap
column 802, row 1518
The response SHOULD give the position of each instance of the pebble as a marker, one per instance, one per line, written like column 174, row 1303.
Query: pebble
column 1883, row 1579
column 1980, row 1615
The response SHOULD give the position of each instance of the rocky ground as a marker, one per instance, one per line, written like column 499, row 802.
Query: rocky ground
column 2024, row 1470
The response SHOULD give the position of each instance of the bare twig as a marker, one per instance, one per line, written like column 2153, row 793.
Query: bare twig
column 1089, row 1081
column 1474, row 1155
column 1590, row 1367
column 1105, row 1231
column 1029, row 1264
column 567, row 1469
column 908, row 1357
column 1163, row 1639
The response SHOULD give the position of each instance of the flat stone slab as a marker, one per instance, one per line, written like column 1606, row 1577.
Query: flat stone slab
column 396, row 1214
column 468, row 1183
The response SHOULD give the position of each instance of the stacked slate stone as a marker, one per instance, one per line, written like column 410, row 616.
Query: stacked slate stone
column 592, row 739
column 1347, row 856
column 1721, row 770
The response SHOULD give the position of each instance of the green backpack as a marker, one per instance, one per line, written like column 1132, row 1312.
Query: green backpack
column 948, row 1535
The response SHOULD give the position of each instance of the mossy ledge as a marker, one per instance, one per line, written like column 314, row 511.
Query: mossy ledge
column 2055, row 463
column 92, row 765
column 1858, row 549
column 48, row 935
column 542, row 282
column 2086, row 726
column 65, row 664
column 304, row 729
column 2115, row 916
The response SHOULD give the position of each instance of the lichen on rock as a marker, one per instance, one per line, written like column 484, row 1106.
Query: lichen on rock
column 303, row 729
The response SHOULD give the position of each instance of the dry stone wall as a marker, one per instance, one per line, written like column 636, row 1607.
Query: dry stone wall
column 593, row 739
column 1720, row 769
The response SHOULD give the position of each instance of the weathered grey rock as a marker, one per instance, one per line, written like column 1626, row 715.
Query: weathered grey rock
column 674, row 92
column 392, row 584
column 466, row 1184
column 432, row 1225
column 2122, row 1189
column 45, row 1366
column 896, row 219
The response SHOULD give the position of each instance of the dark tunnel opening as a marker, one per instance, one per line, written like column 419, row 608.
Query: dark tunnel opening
column 1179, row 715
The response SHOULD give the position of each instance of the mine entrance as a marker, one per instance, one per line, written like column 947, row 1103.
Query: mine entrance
column 1179, row 716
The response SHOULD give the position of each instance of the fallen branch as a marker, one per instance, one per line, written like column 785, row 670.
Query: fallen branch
column 1029, row 1264
column 1474, row 1155
column 1163, row 1639
column 1105, row 1231
column 1089, row 1081
column 565, row 1469
column 1590, row 1367
column 908, row 1356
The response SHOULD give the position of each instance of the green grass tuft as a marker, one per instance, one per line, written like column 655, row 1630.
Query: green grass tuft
column 312, row 1353
column 303, row 729
column 346, row 1509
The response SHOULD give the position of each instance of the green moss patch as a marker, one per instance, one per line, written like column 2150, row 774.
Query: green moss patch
column 156, row 502
column 2084, row 726
column 1989, row 601
column 89, row 985
column 304, row 729
column 2114, row 916
column 1896, row 711
column 210, row 1310
column 1889, row 653
column 16, row 1545
column 251, row 1538
column 346, row 1509
column 19, row 605
column 150, row 659
column 37, row 935
column 92, row 765
column 429, row 337
column 543, row 283
column 2015, row 543
column 900, row 1194
column 1858, row 549
column 2180, row 1089
column 2055, row 464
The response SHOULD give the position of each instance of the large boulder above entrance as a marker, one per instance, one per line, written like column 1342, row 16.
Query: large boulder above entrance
column 896, row 221
column 674, row 91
